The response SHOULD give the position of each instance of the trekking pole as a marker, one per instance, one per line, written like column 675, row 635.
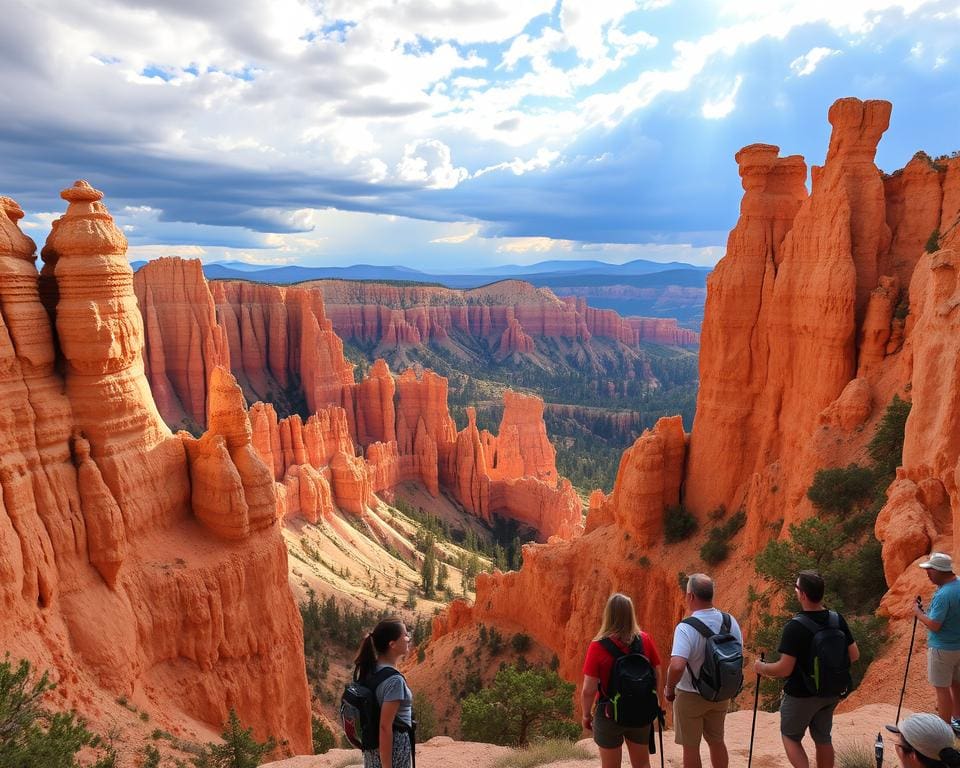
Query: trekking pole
column 878, row 750
column 753, row 725
column 909, row 654
column 660, row 719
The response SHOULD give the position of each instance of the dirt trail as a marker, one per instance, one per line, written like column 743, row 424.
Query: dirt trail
column 856, row 728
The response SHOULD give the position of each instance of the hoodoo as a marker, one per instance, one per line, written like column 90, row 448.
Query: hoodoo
column 106, row 576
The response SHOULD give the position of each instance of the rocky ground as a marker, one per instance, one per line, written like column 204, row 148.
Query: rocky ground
column 852, row 730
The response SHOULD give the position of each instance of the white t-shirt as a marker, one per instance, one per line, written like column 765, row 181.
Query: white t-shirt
column 690, row 644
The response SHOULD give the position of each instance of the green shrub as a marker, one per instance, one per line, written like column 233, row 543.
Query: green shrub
column 426, row 717
column 520, row 642
column 933, row 242
column 151, row 757
column 517, row 707
column 678, row 524
column 32, row 736
column 714, row 551
column 886, row 447
column 836, row 490
column 717, row 546
column 323, row 738
column 239, row 748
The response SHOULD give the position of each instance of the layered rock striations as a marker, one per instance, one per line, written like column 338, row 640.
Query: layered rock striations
column 360, row 438
column 809, row 333
column 803, row 304
column 572, row 579
column 510, row 316
column 114, row 573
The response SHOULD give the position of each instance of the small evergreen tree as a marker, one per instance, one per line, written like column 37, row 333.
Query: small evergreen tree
column 323, row 739
column 518, row 707
column 32, row 736
column 239, row 749
column 429, row 572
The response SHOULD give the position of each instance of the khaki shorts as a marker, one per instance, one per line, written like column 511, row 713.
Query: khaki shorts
column 797, row 713
column 943, row 667
column 610, row 735
column 694, row 718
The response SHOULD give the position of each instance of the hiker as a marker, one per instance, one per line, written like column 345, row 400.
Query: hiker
column 816, row 650
column 620, row 637
column 698, row 713
column 943, row 636
column 925, row 741
column 376, row 662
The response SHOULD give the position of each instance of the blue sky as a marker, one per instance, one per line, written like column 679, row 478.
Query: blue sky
column 447, row 134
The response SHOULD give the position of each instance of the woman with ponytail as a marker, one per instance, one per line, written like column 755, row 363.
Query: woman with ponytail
column 925, row 741
column 376, row 663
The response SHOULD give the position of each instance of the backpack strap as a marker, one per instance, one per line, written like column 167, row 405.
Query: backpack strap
column 812, row 626
column 611, row 647
column 698, row 625
column 379, row 677
column 725, row 623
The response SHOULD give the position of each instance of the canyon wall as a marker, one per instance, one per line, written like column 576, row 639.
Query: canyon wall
column 799, row 325
column 133, row 562
column 809, row 333
column 360, row 438
column 509, row 315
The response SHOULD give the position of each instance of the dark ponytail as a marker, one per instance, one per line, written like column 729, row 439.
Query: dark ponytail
column 950, row 757
column 375, row 643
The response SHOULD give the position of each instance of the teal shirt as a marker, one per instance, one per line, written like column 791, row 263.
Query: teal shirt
column 945, row 608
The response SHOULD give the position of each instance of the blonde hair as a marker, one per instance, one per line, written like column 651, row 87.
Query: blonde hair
column 619, row 620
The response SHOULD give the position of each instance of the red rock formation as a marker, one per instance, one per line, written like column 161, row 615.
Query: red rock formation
column 522, row 446
column 571, row 580
column 509, row 315
column 184, row 342
column 785, row 310
column 514, row 341
column 106, row 578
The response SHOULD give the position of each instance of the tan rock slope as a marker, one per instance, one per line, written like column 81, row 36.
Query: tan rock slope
column 133, row 562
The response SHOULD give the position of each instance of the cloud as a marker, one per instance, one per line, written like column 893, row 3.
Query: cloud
column 722, row 105
column 807, row 64
column 457, row 239
column 533, row 245
column 430, row 161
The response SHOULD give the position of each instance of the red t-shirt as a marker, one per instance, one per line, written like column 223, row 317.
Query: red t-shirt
column 599, row 662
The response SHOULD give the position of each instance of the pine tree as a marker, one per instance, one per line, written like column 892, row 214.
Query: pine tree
column 239, row 748
column 429, row 571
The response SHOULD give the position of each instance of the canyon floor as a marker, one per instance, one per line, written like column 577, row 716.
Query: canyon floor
column 856, row 729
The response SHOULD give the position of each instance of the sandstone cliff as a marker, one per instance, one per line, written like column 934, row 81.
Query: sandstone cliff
column 803, row 303
column 116, row 572
column 360, row 438
column 804, row 344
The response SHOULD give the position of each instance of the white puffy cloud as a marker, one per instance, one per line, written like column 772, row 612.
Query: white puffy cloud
column 807, row 64
column 430, row 161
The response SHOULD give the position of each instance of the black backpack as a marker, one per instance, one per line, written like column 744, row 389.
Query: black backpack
column 360, row 711
column 721, row 676
column 827, row 668
column 630, row 693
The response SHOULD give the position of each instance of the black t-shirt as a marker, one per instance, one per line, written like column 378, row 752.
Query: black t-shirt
column 796, row 641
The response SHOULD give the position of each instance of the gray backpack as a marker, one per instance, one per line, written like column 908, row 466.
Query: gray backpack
column 721, row 676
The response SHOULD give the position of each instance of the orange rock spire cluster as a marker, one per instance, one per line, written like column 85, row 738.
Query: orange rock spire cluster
column 113, row 574
column 282, row 350
column 804, row 344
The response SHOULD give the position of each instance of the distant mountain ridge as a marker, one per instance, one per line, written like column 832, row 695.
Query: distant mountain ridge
column 637, row 288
